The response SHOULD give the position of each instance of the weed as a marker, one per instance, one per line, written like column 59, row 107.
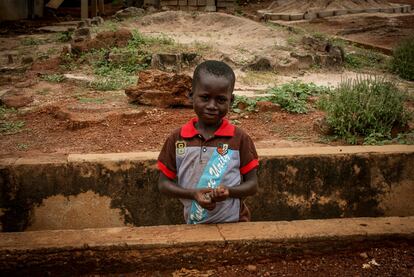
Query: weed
column 259, row 78
column 64, row 36
column 22, row 146
column 53, row 78
column 4, row 111
column 403, row 59
column 365, row 107
column 243, row 103
column 293, row 96
column 44, row 91
column 11, row 127
column 30, row 41
column 114, row 81
column 363, row 58
column 91, row 100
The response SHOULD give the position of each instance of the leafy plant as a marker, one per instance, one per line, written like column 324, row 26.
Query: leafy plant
column 11, row 127
column 30, row 41
column 54, row 78
column 241, row 103
column 366, row 107
column 403, row 59
column 64, row 36
column 363, row 58
column 293, row 96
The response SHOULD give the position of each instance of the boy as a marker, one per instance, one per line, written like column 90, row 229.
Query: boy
column 209, row 163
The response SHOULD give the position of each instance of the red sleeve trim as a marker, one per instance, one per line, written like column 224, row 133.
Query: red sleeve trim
column 250, row 166
column 170, row 174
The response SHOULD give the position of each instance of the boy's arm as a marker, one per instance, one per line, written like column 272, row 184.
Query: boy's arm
column 246, row 188
column 168, row 187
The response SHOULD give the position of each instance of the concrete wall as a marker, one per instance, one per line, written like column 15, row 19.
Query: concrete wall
column 109, row 190
column 14, row 9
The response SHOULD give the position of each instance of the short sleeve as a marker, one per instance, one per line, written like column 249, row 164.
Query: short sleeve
column 248, row 155
column 166, row 160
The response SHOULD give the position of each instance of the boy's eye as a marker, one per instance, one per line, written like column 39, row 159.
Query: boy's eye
column 222, row 100
column 204, row 97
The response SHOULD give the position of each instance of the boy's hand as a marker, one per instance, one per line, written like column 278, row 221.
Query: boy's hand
column 203, row 197
column 220, row 193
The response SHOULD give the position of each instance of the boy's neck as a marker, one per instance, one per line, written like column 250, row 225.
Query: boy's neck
column 207, row 130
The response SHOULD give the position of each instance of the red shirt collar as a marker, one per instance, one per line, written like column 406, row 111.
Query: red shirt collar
column 226, row 129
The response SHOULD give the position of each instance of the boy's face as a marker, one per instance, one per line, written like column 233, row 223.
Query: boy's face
column 212, row 98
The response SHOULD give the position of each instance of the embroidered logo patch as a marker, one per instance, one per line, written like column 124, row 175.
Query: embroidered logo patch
column 222, row 148
column 180, row 147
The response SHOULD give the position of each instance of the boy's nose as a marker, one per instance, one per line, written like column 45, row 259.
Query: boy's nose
column 211, row 104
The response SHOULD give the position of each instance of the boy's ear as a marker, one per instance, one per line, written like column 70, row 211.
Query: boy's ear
column 190, row 97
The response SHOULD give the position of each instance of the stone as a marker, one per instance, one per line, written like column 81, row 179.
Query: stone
column 161, row 89
column 27, row 60
column 129, row 12
column 81, row 34
column 259, row 64
column 295, row 16
column 105, row 40
column 305, row 60
column 167, row 62
column 267, row 106
column 16, row 98
column 210, row 9
column 321, row 126
column 323, row 14
column 310, row 15
column 317, row 44
column 99, row 19
column 251, row 268
column 340, row 12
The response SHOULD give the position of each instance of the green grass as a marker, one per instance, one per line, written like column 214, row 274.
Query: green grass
column 362, row 58
column 403, row 59
column 65, row 36
column 11, row 127
column 91, row 100
column 293, row 96
column 53, row 78
column 31, row 41
column 367, row 108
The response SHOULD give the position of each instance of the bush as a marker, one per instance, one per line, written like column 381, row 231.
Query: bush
column 365, row 107
column 403, row 59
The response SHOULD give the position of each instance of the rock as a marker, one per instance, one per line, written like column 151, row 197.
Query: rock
column 305, row 60
column 151, row 9
column 81, row 34
column 16, row 98
column 129, row 12
column 161, row 89
column 105, row 40
column 364, row 255
column 27, row 60
column 167, row 62
column 321, row 126
column 317, row 44
column 267, row 106
column 99, row 20
column 251, row 268
column 259, row 64
column 333, row 57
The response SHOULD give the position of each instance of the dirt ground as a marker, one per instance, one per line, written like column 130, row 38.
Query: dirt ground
column 382, row 261
column 67, row 117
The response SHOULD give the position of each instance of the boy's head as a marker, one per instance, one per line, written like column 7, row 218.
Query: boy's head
column 212, row 91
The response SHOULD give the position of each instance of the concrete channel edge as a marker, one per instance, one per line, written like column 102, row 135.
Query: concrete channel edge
column 137, row 249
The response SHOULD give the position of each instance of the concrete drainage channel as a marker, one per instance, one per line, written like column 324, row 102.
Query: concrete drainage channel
column 158, row 248
column 115, row 195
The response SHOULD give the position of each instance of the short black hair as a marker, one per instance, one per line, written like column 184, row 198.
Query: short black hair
column 216, row 68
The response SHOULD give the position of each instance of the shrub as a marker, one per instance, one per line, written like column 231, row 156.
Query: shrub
column 403, row 59
column 369, row 107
